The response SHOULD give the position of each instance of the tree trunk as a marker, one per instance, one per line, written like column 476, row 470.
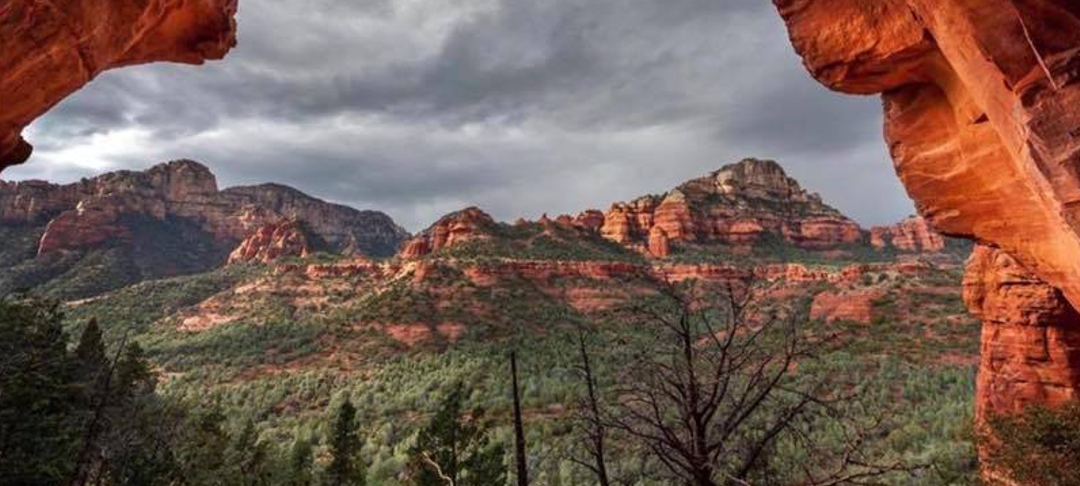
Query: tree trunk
column 519, row 427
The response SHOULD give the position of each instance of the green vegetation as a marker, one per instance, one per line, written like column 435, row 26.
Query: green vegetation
column 1039, row 447
column 537, row 241
column 454, row 448
column 157, row 249
column 273, row 375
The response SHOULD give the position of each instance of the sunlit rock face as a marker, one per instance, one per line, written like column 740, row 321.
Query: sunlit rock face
column 740, row 204
column 51, row 49
column 93, row 211
column 458, row 227
column 982, row 117
column 1030, row 338
column 272, row 242
column 913, row 234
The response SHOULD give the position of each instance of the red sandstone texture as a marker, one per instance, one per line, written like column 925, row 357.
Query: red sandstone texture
column 90, row 212
column 51, row 49
column 1030, row 338
column 845, row 305
column 457, row 227
column 271, row 242
column 736, row 205
column 982, row 118
column 913, row 234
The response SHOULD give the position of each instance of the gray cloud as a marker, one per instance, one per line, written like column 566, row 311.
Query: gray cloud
column 419, row 107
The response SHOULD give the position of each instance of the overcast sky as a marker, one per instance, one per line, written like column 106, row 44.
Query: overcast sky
column 421, row 107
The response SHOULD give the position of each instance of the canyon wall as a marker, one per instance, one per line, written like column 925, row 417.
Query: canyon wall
column 92, row 211
column 51, row 49
column 982, row 118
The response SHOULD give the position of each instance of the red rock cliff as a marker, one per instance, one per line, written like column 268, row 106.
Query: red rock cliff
column 271, row 242
column 982, row 117
column 51, row 49
column 1030, row 337
column 736, row 205
column 468, row 224
column 912, row 234
column 89, row 212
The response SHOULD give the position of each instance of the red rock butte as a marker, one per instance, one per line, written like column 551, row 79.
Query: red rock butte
column 51, row 49
column 982, row 118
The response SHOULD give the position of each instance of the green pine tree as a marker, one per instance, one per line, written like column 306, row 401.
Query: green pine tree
column 453, row 449
column 344, row 469
column 248, row 456
column 300, row 462
column 39, row 434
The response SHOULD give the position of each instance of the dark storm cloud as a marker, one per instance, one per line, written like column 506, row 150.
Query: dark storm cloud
column 419, row 107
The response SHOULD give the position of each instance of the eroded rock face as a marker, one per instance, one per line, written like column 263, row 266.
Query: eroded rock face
column 981, row 113
column 271, row 242
column 850, row 305
column 659, row 245
column 91, row 212
column 51, row 49
column 982, row 118
column 913, row 234
column 468, row 224
column 1030, row 338
column 737, row 205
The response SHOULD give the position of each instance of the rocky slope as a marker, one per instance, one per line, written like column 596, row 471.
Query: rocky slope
column 87, row 213
column 748, row 208
column 913, row 234
column 738, row 205
column 171, row 219
column 52, row 49
column 272, row 242
column 981, row 118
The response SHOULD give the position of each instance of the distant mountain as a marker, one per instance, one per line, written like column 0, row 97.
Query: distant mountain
column 76, row 240
column 748, row 209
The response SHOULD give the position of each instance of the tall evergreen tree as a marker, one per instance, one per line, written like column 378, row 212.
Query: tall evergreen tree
column 300, row 462
column 248, row 456
column 90, row 352
column 38, row 436
column 343, row 469
column 454, row 449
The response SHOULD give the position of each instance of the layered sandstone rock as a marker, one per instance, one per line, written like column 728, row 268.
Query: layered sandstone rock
column 737, row 205
column 91, row 212
column 981, row 111
column 850, row 305
column 1030, row 337
column 982, row 118
column 659, row 245
column 468, row 224
column 913, row 234
column 51, row 49
column 590, row 219
column 271, row 242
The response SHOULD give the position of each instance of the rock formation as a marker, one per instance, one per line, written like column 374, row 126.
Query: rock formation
column 982, row 117
column 1030, row 336
column 271, row 242
column 91, row 212
column 659, row 245
column 468, row 224
column 51, row 49
column 849, row 305
column 737, row 205
column 913, row 234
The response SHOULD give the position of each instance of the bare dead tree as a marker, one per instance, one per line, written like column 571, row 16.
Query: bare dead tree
column 713, row 391
column 91, row 459
column 519, row 427
column 589, row 417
